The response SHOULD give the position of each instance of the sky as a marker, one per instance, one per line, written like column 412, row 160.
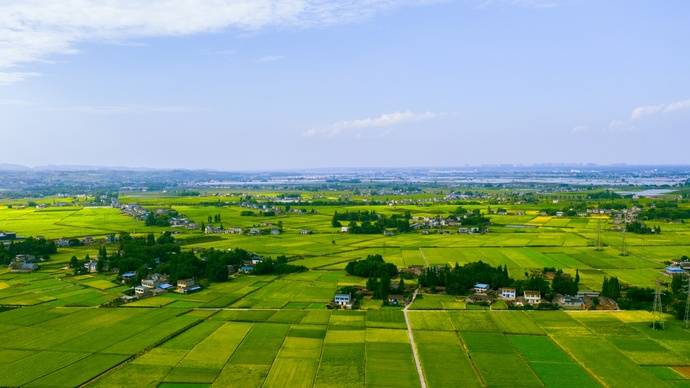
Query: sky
column 292, row 84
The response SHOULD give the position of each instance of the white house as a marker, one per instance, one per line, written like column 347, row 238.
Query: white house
column 508, row 293
column 344, row 229
column 533, row 297
column 91, row 266
column 343, row 300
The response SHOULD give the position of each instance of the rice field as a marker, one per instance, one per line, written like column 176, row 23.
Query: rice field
column 275, row 331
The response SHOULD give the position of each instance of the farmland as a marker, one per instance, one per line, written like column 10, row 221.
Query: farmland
column 275, row 330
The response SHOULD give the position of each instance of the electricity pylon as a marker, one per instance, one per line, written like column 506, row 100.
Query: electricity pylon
column 658, row 308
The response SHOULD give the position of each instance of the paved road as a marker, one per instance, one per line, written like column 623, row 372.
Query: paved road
column 410, row 334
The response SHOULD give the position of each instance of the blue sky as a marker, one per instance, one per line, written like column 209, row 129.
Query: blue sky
column 264, row 84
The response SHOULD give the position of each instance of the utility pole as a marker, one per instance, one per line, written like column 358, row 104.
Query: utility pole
column 658, row 308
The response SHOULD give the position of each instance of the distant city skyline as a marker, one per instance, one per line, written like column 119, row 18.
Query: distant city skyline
column 300, row 84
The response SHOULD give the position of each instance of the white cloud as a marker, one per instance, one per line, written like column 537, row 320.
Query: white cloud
column 380, row 124
column 620, row 126
column 269, row 58
column 34, row 30
column 641, row 112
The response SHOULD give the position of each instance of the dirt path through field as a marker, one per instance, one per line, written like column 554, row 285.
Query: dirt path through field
column 410, row 334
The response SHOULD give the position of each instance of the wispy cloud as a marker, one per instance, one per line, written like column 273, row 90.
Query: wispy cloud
column 122, row 109
column 11, row 77
column 638, row 117
column 519, row 3
column 373, row 126
column 33, row 31
column 645, row 111
column 269, row 58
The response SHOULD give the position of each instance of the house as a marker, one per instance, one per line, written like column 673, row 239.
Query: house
column 254, row 231
column 141, row 291
column 247, row 268
column 571, row 302
column 343, row 300
column 481, row 288
column 344, row 229
column 88, row 240
column 507, row 293
column 185, row 286
column 63, row 242
column 275, row 231
column 533, row 297
column 91, row 266
column 304, row 231
column 674, row 270
column 127, row 277
column 23, row 264
column 7, row 236
column 388, row 233
column 165, row 286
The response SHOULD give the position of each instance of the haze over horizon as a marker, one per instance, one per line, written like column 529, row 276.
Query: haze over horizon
column 300, row 84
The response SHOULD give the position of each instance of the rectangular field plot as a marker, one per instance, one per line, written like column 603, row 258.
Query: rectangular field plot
column 550, row 363
column 438, row 302
column 430, row 320
column 615, row 370
column 390, row 365
column 251, row 362
column 444, row 360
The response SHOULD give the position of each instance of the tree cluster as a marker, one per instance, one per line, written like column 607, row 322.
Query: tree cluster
column 278, row 266
column 160, row 218
column 38, row 247
column 459, row 280
column 371, row 266
column 640, row 228
column 370, row 222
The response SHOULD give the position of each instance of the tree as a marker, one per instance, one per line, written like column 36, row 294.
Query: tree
column 564, row 284
column 74, row 264
column 401, row 285
column 577, row 276
column 216, row 270
column 677, row 284
column 611, row 288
